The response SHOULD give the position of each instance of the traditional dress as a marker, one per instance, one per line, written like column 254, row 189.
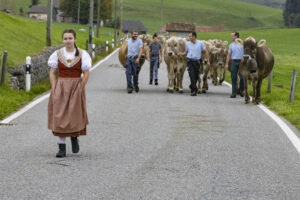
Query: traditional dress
column 67, row 115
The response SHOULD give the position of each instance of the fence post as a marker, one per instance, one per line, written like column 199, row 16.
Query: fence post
column 28, row 73
column 293, row 86
column 3, row 65
column 106, row 46
column 112, row 43
column 270, row 82
column 87, row 45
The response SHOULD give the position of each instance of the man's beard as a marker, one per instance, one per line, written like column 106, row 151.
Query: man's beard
column 134, row 37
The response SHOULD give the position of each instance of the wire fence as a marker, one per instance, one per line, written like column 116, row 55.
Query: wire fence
column 293, row 74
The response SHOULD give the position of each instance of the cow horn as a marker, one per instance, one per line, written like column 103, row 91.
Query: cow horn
column 239, row 41
column 261, row 43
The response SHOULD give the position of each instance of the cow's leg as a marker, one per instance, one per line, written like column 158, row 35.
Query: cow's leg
column 254, row 90
column 238, row 80
column 222, row 75
column 171, row 78
column 199, row 85
column 247, row 98
column 176, row 79
column 215, row 76
column 258, row 86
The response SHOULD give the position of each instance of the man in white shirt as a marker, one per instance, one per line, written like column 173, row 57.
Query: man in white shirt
column 135, row 46
column 193, row 50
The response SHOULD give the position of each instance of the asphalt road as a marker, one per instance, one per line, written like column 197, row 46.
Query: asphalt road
column 152, row 145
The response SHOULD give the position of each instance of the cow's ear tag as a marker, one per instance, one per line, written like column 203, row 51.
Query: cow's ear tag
column 261, row 43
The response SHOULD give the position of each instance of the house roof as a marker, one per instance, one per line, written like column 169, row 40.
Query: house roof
column 129, row 25
column 43, row 9
column 180, row 27
column 38, row 9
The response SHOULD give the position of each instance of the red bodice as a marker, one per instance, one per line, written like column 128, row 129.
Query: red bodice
column 69, row 72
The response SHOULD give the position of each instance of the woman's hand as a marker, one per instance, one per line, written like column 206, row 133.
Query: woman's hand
column 52, row 77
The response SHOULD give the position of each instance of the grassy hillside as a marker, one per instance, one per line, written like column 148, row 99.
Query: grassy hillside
column 232, row 13
column 25, row 37
column 286, row 49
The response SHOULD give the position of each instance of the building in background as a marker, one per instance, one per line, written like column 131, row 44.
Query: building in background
column 41, row 12
column 130, row 25
column 179, row 29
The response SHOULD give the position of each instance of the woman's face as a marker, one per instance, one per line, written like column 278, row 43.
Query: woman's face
column 69, row 40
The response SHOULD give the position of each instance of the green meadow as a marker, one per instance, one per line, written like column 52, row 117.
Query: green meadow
column 233, row 14
column 284, row 44
column 23, row 37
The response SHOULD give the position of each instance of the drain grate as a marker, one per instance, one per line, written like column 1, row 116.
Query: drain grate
column 6, row 124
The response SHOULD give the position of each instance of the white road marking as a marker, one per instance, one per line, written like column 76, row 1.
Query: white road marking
column 284, row 127
column 45, row 96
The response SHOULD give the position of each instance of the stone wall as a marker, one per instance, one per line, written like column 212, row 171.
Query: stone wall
column 39, row 69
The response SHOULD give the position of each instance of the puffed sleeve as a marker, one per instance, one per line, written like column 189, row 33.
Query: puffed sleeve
column 86, row 61
column 53, row 60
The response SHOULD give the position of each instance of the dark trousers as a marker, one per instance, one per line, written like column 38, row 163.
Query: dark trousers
column 154, row 62
column 235, row 65
column 132, row 70
column 193, row 69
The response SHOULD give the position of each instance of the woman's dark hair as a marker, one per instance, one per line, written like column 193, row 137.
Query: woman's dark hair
column 237, row 34
column 194, row 34
column 74, row 34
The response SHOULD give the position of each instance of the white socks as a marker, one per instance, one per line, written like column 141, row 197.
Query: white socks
column 61, row 140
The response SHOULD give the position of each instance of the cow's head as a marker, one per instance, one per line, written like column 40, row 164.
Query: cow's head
column 219, row 56
column 172, row 46
column 250, row 52
column 146, row 39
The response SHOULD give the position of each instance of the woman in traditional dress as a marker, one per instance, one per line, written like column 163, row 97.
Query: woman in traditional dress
column 67, row 115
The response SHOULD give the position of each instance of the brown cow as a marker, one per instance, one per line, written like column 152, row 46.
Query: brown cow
column 257, row 64
column 204, row 69
column 123, row 54
column 176, row 65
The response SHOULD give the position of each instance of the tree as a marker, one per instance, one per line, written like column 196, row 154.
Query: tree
column 34, row 2
column 21, row 11
column 67, row 6
column 291, row 13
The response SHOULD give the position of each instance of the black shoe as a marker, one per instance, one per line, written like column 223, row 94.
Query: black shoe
column 194, row 93
column 156, row 82
column 242, row 94
column 151, row 82
column 62, row 151
column 233, row 96
column 137, row 89
column 75, row 145
column 129, row 90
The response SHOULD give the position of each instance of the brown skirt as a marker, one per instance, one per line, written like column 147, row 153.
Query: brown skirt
column 67, row 115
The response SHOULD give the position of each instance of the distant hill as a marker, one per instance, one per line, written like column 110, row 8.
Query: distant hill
column 233, row 14
column 271, row 3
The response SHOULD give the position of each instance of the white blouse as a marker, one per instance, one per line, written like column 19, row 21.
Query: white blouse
column 86, row 61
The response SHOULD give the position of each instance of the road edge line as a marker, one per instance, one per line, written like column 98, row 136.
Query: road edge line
column 291, row 135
